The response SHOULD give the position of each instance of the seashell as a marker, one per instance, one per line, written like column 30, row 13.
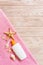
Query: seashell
column 12, row 56
column 7, row 45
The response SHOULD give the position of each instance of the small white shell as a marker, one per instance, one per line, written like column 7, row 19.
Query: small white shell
column 9, row 50
column 12, row 57
column 7, row 45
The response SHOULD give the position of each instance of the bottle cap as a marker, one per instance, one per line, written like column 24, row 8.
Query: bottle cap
column 13, row 42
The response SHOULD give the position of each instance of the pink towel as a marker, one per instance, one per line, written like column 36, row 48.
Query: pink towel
column 4, row 55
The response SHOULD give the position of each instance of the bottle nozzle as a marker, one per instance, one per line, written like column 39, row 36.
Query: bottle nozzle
column 13, row 42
